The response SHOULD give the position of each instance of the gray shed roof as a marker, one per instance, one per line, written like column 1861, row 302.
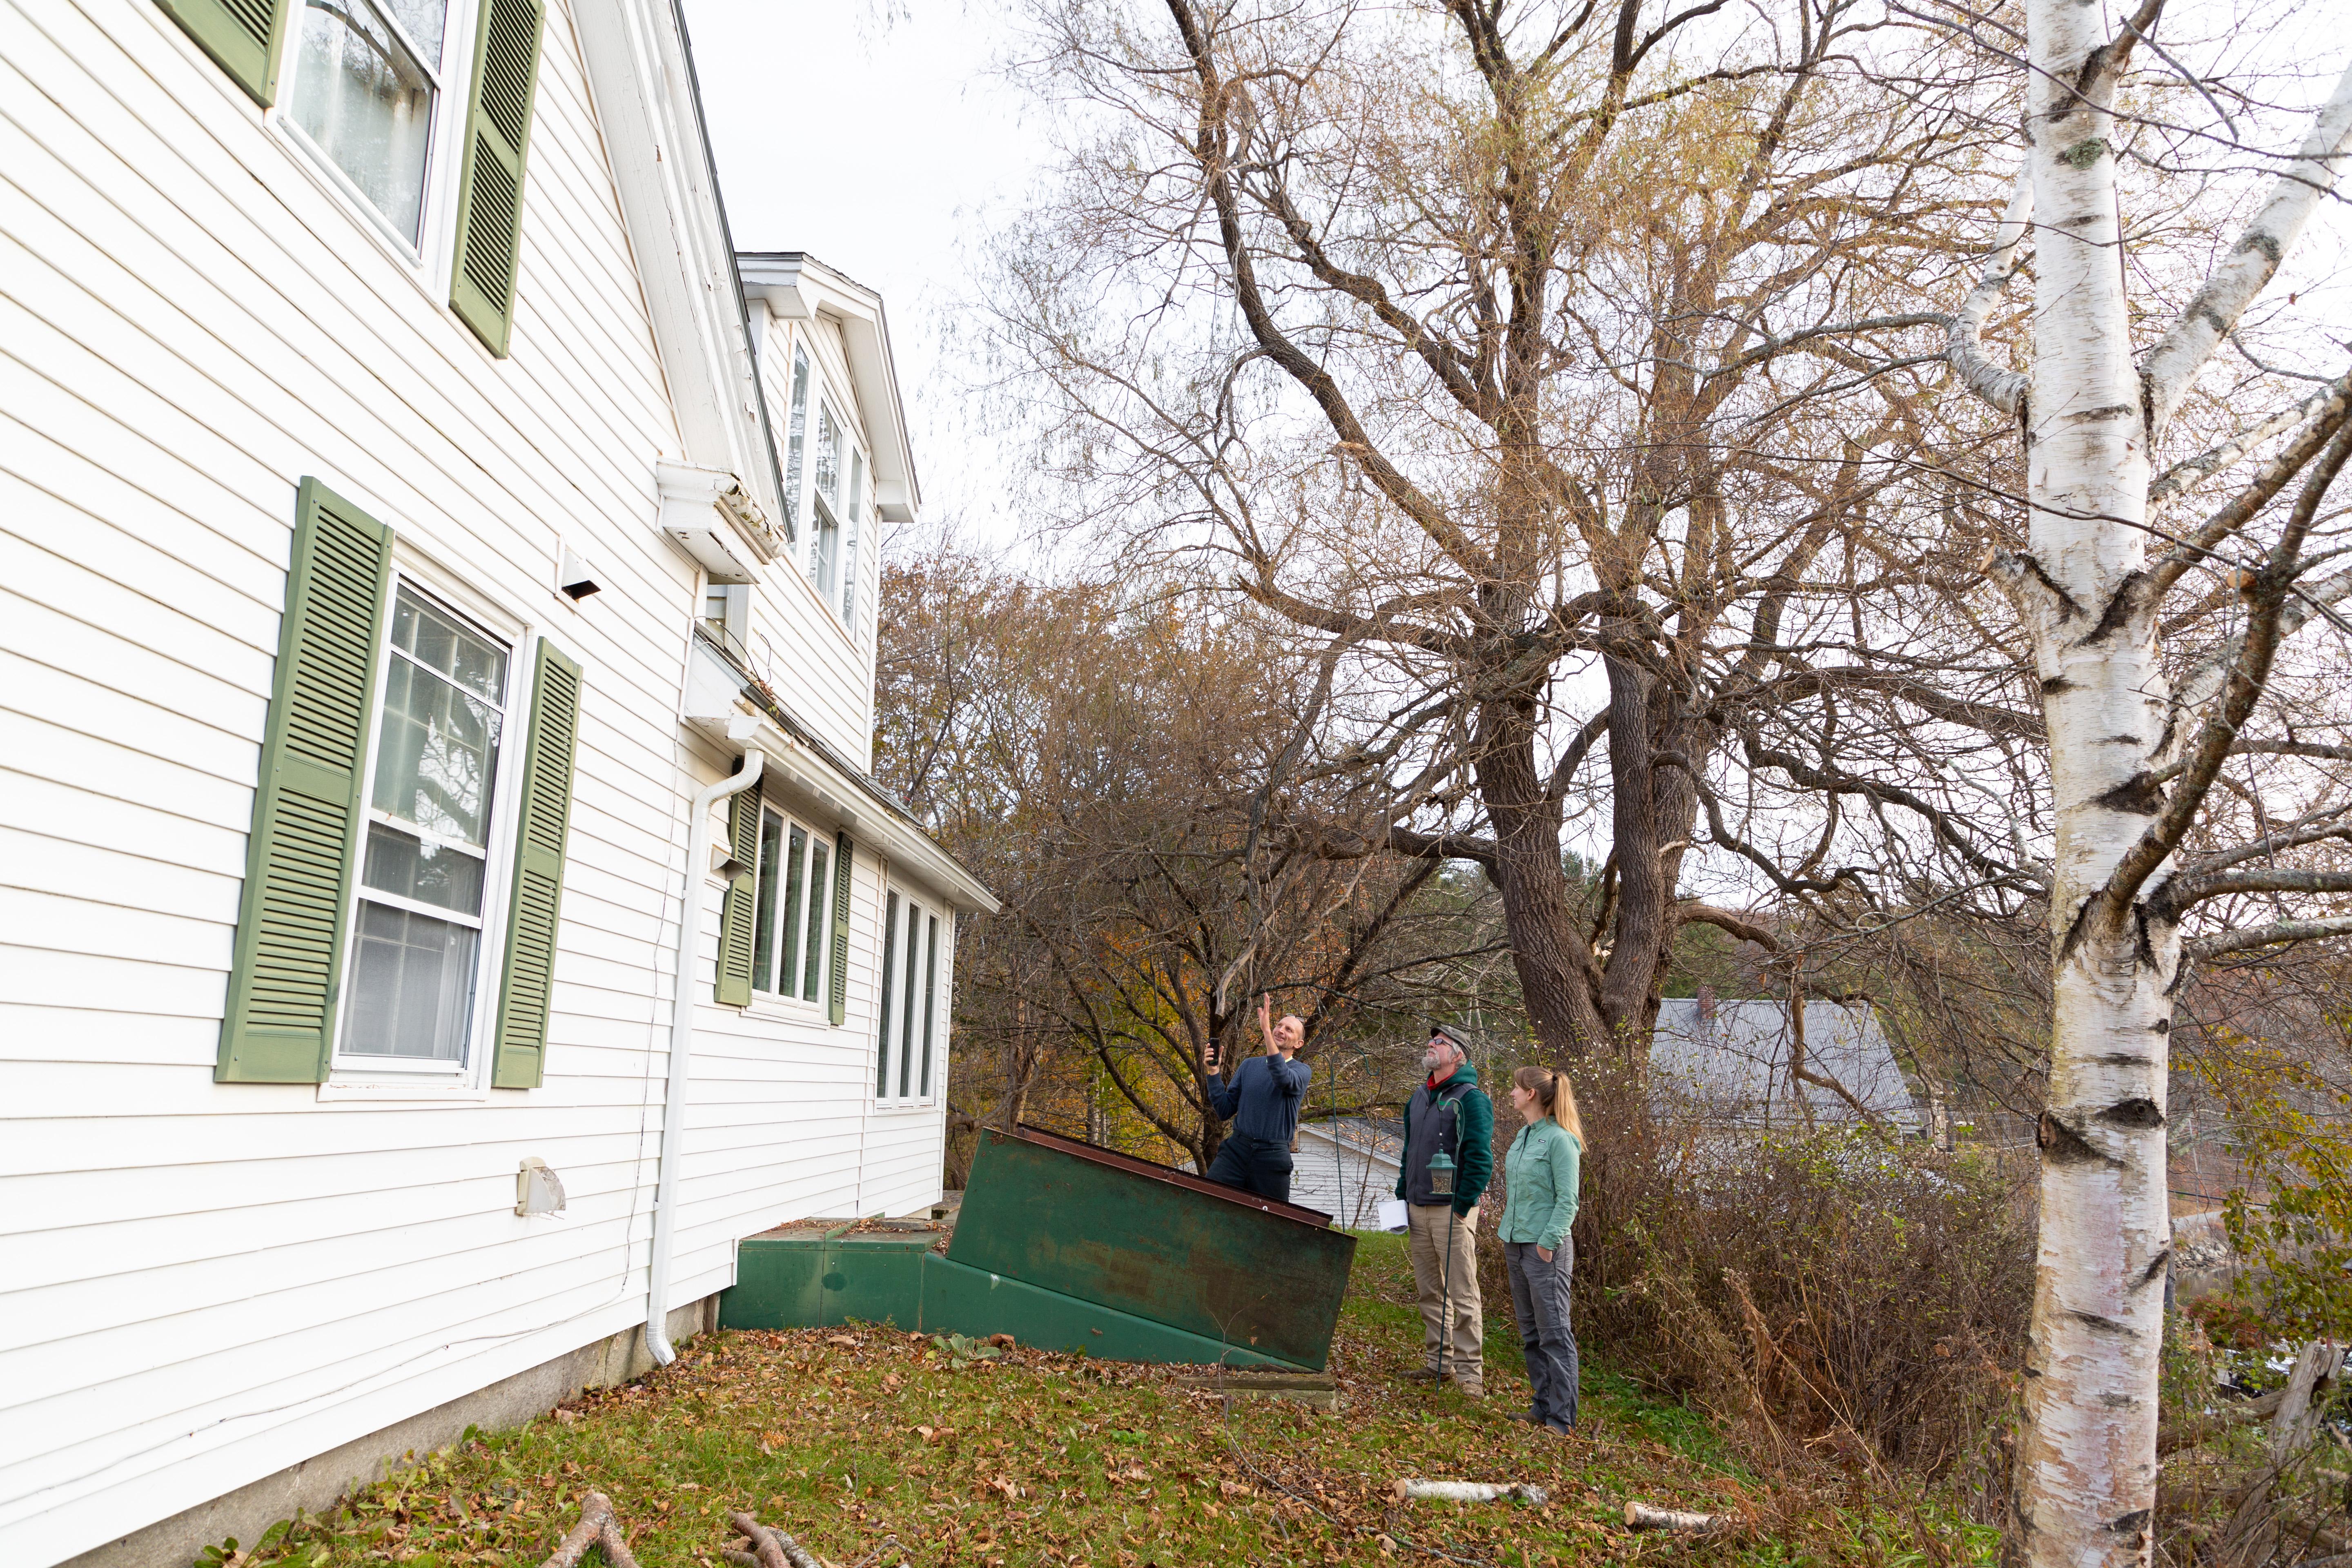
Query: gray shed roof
column 1731, row 1060
column 1378, row 1141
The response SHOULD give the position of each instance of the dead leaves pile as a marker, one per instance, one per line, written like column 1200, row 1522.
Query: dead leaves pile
column 848, row 1438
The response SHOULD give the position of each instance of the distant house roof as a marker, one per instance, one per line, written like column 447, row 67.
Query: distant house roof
column 1381, row 1142
column 1732, row 1061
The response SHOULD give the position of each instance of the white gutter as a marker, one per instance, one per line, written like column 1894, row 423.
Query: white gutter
column 681, row 1051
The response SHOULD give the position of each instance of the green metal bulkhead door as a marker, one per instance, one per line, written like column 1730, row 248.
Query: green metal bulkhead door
column 1038, row 1210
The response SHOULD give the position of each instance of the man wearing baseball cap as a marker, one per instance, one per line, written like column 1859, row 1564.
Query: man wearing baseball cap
column 1448, row 1113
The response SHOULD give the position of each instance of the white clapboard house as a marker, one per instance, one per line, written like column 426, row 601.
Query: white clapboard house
column 415, row 520
column 1735, row 1063
column 1347, row 1166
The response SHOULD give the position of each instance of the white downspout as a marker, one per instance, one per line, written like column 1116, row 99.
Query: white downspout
column 681, row 1053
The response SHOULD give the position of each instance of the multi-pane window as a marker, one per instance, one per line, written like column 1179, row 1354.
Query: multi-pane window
column 796, row 437
column 726, row 615
column 909, row 1001
column 441, row 713
column 790, row 910
column 368, row 76
column 850, row 509
column 836, row 493
column 824, row 522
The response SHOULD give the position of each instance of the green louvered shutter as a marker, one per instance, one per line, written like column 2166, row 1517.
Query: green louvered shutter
column 241, row 36
column 295, row 914
column 489, row 194
column 837, row 993
column 538, row 895
column 735, row 911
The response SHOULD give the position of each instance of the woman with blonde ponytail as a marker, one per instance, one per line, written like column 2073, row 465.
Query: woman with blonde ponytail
column 1541, row 1169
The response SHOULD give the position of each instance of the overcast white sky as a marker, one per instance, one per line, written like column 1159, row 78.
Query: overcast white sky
column 878, row 144
column 876, row 135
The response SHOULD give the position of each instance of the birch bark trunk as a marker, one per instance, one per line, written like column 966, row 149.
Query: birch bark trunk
column 2087, row 1481
column 2089, row 598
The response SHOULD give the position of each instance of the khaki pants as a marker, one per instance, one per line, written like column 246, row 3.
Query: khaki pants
column 1438, row 1233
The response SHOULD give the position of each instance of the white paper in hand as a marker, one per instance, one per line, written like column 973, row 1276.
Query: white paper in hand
column 1392, row 1213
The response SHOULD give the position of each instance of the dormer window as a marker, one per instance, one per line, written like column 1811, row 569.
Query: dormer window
column 824, row 523
column 836, row 506
column 796, row 437
column 852, row 507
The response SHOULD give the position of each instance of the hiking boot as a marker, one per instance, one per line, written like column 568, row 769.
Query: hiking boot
column 1560, row 1429
column 1471, row 1390
column 1529, row 1416
column 1424, row 1374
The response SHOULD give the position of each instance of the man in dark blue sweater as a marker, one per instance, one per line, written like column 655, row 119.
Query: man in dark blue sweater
column 1262, row 1102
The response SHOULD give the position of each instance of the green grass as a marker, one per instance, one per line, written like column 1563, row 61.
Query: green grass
column 846, row 1436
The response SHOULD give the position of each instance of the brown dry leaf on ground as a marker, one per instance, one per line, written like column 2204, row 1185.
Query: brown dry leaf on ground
column 1045, row 1460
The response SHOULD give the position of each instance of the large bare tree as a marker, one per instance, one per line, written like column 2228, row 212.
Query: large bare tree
column 1535, row 363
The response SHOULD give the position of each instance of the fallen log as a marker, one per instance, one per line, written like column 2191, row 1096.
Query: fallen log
column 1641, row 1516
column 1468, row 1492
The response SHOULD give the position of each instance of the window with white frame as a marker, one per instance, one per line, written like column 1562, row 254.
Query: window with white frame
column 851, row 508
column 909, row 1010
column 824, row 514
column 836, row 491
column 370, row 77
column 726, row 615
column 441, row 710
column 795, row 438
column 790, row 912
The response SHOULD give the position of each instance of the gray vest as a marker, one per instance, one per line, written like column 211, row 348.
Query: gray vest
column 1433, row 1122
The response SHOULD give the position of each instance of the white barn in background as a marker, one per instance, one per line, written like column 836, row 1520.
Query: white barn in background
column 410, row 506
column 1347, row 1166
column 1736, row 1062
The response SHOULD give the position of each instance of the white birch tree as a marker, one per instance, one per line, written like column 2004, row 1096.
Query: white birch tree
column 2136, row 741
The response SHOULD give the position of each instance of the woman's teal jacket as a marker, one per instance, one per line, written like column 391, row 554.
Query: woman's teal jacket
column 1541, row 1172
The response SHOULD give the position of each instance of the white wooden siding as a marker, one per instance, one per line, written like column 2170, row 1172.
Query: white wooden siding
column 207, row 1282
column 1342, row 1180
column 823, row 672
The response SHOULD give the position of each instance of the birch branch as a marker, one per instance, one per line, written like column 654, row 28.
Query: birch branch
column 2188, row 471
column 2270, row 936
column 1964, row 350
column 770, row 1547
column 1641, row 1516
column 2223, row 884
column 2241, row 685
column 1405, row 1488
column 2199, row 684
column 2330, row 406
column 2252, row 262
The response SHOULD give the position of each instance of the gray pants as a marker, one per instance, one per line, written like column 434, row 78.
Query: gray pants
column 1539, row 1298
